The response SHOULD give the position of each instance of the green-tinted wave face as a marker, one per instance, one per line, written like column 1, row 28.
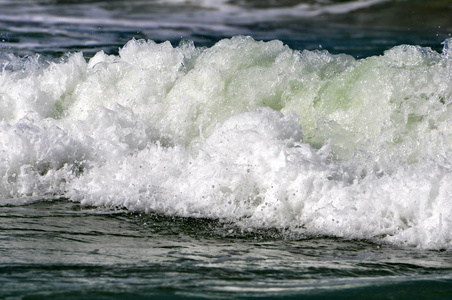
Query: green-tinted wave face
column 244, row 131
column 395, row 106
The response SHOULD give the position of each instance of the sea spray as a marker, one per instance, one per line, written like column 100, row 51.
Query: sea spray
column 248, row 132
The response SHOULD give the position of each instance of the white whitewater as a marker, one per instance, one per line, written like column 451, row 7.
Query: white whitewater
column 248, row 132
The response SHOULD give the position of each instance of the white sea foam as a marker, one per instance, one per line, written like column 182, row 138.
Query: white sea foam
column 245, row 131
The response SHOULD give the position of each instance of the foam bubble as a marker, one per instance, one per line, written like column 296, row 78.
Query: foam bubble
column 248, row 132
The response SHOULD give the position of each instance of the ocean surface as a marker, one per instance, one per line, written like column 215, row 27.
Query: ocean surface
column 226, row 149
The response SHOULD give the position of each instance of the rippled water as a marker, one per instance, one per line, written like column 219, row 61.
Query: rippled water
column 315, row 163
column 61, row 250
column 359, row 28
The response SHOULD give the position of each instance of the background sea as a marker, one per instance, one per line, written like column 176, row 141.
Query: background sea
column 269, row 149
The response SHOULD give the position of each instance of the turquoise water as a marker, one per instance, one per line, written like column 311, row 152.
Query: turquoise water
column 291, row 149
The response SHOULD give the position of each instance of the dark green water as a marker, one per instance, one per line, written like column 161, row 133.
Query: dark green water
column 57, row 249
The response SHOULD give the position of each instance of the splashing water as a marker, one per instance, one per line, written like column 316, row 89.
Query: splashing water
column 245, row 131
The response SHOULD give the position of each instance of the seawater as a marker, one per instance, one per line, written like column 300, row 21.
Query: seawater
column 234, row 168
column 245, row 131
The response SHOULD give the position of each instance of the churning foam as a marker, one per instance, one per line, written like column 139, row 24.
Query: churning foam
column 245, row 131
